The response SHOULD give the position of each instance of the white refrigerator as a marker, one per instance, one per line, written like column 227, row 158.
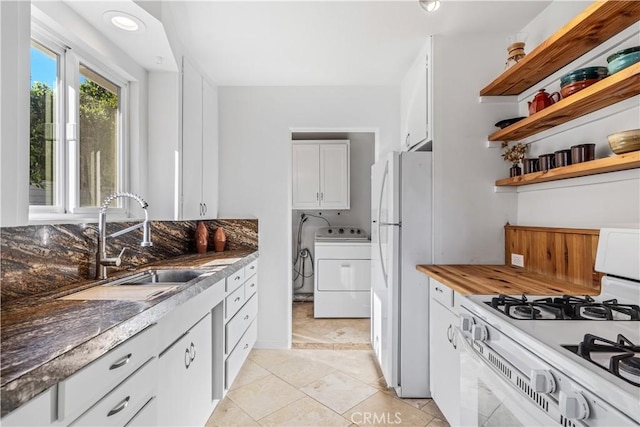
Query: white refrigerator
column 401, row 215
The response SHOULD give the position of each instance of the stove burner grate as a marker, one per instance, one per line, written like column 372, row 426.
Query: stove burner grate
column 626, row 361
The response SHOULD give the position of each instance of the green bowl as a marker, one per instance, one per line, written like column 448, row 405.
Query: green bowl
column 589, row 73
column 623, row 52
column 623, row 61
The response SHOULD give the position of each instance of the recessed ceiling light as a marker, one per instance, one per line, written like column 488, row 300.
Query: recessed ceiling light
column 430, row 5
column 124, row 21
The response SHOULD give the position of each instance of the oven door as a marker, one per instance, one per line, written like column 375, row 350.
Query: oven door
column 486, row 397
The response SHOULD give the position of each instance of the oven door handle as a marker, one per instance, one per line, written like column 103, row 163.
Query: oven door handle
column 519, row 394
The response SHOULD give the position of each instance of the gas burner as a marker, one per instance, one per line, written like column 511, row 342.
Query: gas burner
column 621, row 358
column 594, row 312
column 526, row 312
column 523, row 309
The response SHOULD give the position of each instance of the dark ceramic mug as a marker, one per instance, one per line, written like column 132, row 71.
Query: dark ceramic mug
column 546, row 162
column 562, row 158
column 530, row 165
column 583, row 153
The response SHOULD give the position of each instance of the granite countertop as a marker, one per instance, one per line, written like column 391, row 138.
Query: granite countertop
column 501, row 279
column 45, row 340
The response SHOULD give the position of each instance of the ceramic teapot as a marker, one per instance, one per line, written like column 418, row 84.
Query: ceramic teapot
column 542, row 100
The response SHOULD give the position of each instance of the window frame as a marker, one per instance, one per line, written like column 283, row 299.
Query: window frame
column 67, row 193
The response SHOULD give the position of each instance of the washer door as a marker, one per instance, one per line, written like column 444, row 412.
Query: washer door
column 344, row 275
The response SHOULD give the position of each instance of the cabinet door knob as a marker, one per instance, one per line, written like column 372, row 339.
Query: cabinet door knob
column 246, row 317
column 237, row 299
column 246, row 346
column 119, row 407
column 123, row 361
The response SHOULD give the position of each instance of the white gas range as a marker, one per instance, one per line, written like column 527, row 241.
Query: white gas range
column 570, row 361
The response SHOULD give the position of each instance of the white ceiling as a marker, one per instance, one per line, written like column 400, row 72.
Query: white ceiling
column 302, row 42
column 273, row 43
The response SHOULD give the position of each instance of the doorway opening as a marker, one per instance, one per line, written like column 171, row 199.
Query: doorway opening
column 331, row 285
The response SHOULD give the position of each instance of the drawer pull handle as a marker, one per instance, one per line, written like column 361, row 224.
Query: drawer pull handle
column 237, row 299
column 119, row 407
column 246, row 346
column 438, row 289
column 121, row 362
column 253, row 267
column 246, row 317
column 236, row 278
column 253, row 285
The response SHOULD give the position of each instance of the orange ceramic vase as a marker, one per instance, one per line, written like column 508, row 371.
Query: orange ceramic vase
column 201, row 237
column 219, row 239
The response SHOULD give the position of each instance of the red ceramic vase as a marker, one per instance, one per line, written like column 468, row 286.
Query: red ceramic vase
column 219, row 239
column 201, row 237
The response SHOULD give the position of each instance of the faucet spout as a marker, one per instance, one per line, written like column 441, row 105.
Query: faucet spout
column 102, row 261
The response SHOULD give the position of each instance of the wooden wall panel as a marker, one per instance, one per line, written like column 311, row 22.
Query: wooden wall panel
column 566, row 254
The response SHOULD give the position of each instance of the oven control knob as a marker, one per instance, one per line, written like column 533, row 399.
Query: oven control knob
column 542, row 381
column 466, row 322
column 479, row 333
column 573, row 405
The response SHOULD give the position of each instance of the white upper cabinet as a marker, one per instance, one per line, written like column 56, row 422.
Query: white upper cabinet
column 209, row 150
column 199, row 145
column 321, row 175
column 416, row 103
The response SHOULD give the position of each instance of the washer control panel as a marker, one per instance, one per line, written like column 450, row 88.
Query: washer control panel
column 341, row 233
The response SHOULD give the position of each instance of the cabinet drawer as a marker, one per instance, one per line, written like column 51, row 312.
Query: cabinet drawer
column 147, row 416
column 87, row 386
column 124, row 402
column 250, row 287
column 251, row 269
column 233, row 302
column 235, row 280
column 441, row 293
column 236, row 326
column 239, row 355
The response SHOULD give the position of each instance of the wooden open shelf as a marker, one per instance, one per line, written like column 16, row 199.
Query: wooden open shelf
column 607, row 164
column 618, row 87
column 599, row 22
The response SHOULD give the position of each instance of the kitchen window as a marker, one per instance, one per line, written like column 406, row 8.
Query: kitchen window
column 76, row 146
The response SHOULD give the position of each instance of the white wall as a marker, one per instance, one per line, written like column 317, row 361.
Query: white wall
column 468, row 215
column 15, row 19
column 255, row 170
column 611, row 199
column 359, row 215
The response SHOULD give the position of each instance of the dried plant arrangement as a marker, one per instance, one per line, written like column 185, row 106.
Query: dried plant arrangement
column 515, row 153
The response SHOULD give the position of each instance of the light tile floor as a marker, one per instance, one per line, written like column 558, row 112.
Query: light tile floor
column 337, row 334
column 315, row 388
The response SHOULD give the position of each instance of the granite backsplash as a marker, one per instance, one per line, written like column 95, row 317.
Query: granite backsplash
column 42, row 259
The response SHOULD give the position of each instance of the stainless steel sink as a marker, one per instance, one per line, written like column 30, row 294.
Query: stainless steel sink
column 177, row 276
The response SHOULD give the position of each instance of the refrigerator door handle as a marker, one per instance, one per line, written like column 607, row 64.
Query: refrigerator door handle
column 393, row 224
column 384, row 182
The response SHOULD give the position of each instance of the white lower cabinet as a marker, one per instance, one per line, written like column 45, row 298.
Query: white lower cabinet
column 172, row 373
column 122, row 404
column 444, row 355
column 185, row 378
column 39, row 411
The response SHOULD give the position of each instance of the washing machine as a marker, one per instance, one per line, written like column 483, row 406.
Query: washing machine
column 342, row 279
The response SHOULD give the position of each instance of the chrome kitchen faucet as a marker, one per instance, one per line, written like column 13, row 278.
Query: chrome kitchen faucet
column 102, row 262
